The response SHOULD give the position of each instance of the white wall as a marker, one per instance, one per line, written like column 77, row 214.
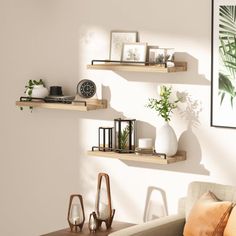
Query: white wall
column 43, row 154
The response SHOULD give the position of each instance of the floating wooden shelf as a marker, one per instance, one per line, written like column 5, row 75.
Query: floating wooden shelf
column 180, row 156
column 63, row 106
column 179, row 66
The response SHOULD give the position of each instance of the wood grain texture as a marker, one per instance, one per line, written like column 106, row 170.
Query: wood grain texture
column 63, row 106
column 180, row 156
column 116, row 225
column 179, row 67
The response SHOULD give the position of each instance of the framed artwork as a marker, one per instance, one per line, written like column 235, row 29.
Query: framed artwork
column 118, row 38
column 160, row 55
column 134, row 52
column 151, row 53
column 223, row 71
column 170, row 54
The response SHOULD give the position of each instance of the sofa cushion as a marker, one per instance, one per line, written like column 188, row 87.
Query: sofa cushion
column 208, row 216
column 196, row 189
column 230, row 229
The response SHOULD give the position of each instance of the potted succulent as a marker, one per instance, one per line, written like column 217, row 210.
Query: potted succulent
column 166, row 140
column 36, row 89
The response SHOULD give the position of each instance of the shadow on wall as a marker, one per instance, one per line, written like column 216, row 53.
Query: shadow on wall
column 155, row 205
column 104, row 114
column 188, row 142
column 145, row 130
column 191, row 76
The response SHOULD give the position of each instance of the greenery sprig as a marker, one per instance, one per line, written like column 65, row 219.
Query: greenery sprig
column 163, row 106
column 124, row 135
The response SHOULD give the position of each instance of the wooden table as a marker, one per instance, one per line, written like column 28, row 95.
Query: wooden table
column 116, row 225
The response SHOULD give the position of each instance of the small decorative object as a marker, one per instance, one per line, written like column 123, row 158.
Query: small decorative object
column 86, row 88
column 36, row 89
column 145, row 143
column 105, row 138
column 117, row 40
column 93, row 224
column 166, row 140
column 55, row 91
column 56, row 96
column 223, row 86
column 104, row 210
column 76, row 215
column 134, row 52
column 86, row 94
column 125, row 139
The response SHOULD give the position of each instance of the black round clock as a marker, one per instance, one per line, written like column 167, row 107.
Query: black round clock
column 86, row 88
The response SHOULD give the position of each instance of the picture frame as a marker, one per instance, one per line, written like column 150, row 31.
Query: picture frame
column 156, row 55
column 134, row 52
column 117, row 39
column 223, row 64
column 151, row 54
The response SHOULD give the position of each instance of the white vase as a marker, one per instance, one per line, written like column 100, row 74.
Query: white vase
column 166, row 140
column 38, row 91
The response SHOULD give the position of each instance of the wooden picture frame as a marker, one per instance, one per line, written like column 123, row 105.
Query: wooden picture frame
column 223, row 70
column 117, row 38
column 134, row 52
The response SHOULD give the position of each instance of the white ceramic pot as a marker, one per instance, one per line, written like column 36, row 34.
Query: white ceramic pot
column 166, row 140
column 38, row 91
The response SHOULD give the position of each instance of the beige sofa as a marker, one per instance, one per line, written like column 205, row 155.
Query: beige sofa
column 173, row 225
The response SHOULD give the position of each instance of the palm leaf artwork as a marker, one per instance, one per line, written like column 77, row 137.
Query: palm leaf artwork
column 227, row 51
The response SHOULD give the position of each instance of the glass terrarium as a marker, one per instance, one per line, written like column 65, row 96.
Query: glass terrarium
column 125, row 135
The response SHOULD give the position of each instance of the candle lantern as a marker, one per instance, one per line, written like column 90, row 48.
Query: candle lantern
column 104, row 211
column 76, row 215
column 105, row 138
column 125, row 135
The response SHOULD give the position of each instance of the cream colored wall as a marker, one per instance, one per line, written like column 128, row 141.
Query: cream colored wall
column 43, row 153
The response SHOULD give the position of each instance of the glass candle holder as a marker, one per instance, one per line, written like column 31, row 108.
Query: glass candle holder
column 105, row 138
column 76, row 215
column 104, row 211
column 93, row 224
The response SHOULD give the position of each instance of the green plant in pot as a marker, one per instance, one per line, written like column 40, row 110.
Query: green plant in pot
column 36, row 89
column 166, row 140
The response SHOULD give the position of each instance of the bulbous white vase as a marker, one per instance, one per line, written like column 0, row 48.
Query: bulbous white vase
column 166, row 140
column 38, row 91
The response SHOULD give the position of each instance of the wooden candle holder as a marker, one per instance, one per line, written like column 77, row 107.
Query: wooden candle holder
column 109, row 219
column 74, row 226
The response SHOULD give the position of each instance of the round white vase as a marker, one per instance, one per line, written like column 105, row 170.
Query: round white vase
column 38, row 91
column 166, row 140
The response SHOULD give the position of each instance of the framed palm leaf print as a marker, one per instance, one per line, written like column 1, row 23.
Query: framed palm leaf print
column 223, row 81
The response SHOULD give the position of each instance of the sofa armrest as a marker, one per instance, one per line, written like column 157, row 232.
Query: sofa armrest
column 166, row 226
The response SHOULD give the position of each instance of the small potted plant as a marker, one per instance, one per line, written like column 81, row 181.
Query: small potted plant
column 166, row 140
column 36, row 89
